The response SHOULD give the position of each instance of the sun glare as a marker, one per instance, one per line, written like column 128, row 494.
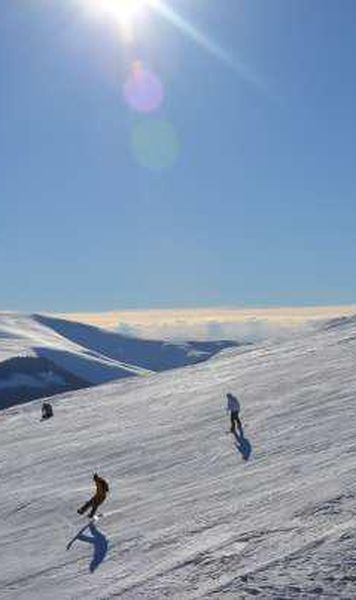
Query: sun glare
column 123, row 11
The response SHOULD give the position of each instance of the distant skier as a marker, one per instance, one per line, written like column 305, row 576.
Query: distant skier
column 233, row 406
column 47, row 411
column 102, row 489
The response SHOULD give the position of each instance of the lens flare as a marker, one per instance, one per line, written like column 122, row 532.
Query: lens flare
column 155, row 144
column 143, row 91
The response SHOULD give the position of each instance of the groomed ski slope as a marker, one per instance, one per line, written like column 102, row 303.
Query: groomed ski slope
column 187, row 516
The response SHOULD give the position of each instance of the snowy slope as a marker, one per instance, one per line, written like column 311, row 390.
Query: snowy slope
column 72, row 355
column 29, row 336
column 154, row 355
column 190, row 514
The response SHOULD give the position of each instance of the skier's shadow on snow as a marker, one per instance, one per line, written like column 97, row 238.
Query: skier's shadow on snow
column 242, row 444
column 98, row 540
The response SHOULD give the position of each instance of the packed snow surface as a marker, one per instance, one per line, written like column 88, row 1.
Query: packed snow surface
column 193, row 513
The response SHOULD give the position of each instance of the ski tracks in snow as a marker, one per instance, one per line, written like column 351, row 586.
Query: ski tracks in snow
column 187, row 517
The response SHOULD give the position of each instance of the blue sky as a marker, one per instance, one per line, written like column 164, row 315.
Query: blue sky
column 257, row 204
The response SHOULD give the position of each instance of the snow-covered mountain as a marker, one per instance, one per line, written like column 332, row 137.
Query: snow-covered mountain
column 193, row 513
column 42, row 355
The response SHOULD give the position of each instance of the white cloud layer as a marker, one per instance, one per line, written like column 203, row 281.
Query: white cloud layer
column 214, row 323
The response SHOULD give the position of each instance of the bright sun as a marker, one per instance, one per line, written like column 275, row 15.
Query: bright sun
column 124, row 11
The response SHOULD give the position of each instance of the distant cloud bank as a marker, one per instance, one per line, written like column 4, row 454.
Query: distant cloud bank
column 244, row 324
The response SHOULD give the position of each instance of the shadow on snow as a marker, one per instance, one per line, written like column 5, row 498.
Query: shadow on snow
column 98, row 540
column 242, row 444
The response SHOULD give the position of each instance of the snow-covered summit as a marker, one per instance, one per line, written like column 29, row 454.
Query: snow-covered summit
column 42, row 355
column 193, row 511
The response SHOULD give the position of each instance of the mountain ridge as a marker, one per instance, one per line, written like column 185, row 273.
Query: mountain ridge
column 74, row 353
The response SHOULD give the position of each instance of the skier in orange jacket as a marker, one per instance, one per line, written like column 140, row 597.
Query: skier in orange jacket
column 102, row 489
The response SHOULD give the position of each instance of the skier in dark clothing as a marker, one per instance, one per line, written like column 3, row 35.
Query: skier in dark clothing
column 102, row 489
column 47, row 410
column 233, row 406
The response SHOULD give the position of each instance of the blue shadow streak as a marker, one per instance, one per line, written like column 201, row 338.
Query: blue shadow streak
column 99, row 542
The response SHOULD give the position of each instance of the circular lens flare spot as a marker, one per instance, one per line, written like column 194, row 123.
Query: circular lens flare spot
column 143, row 91
column 155, row 144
